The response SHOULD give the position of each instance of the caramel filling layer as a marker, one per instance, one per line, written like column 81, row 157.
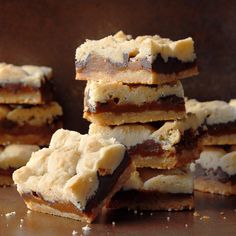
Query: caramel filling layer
column 106, row 185
column 211, row 174
column 163, row 104
column 45, row 90
column 96, row 63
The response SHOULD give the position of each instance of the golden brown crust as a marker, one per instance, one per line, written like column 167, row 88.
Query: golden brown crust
column 214, row 186
column 109, row 118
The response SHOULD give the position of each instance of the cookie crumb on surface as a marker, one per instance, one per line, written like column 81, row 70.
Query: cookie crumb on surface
column 86, row 228
column 74, row 232
column 13, row 213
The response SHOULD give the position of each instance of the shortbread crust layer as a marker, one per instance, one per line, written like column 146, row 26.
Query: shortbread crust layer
column 111, row 118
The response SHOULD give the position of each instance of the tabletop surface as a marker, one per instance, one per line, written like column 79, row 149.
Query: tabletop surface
column 214, row 215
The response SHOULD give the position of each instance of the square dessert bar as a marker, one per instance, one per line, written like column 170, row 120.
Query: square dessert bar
column 75, row 177
column 13, row 157
column 112, row 103
column 215, row 170
column 218, row 120
column 25, row 84
column 145, row 59
column 28, row 124
column 173, row 145
column 153, row 189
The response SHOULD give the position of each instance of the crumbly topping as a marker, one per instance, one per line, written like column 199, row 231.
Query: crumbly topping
column 26, row 75
column 120, row 47
column 32, row 115
column 214, row 157
column 16, row 155
column 168, row 181
column 130, row 135
column 213, row 112
column 98, row 91
column 232, row 102
column 68, row 170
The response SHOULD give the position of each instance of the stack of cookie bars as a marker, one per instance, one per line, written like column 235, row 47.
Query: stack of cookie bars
column 28, row 116
column 134, row 95
column 215, row 170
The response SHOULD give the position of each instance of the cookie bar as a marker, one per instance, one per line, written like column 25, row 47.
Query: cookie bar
column 75, row 177
column 115, row 103
column 25, row 84
column 143, row 60
column 215, row 170
column 218, row 120
column 13, row 157
column 26, row 124
column 173, row 145
column 152, row 189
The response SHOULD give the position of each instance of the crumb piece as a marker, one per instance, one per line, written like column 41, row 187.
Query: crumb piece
column 13, row 213
column 113, row 223
column 224, row 218
column 21, row 220
column 151, row 214
column 186, row 225
column 28, row 212
column 196, row 213
column 168, row 218
column 86, row 228
column 141, row 213
column 135, row 212
column 222, row 213
column 169, row 209
column 21, row 225
column 205, row 218
column 74, row 232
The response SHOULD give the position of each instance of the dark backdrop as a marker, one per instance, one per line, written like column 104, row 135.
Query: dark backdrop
column 48, row 32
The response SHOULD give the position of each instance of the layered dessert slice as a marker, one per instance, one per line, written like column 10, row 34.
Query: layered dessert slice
column 173, row 145
column 215, row 170
column 218, row 120
column 25, row 84
column 115, row 103
column 13, row 157
column 75, row 177
column 143, row 60
column 152, row 189
column 27, row 124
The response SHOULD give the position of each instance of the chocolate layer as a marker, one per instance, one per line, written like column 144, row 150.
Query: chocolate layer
column 212, row 174
column 222, row 129
column 106, row 185
column 189, row 141
column 95, row 63
column 7, row 172
column 167, row 103
column 13, row 128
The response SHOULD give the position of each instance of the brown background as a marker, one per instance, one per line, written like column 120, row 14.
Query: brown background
column 48, row 32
